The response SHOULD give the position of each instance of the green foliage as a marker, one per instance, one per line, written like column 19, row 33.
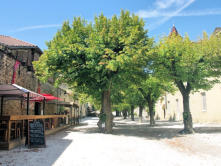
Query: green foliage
column 190, row 65
column 102, row 117
column 92, row 57
column 152, row 87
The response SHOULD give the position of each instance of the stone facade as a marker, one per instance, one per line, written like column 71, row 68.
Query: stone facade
column 25, row 77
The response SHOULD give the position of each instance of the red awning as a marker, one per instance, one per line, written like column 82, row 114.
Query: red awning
column 50, row 97
column 47, row 97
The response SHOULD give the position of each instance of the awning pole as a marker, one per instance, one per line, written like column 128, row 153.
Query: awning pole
column 27, row 103
column 44, row 106
column 2, row 99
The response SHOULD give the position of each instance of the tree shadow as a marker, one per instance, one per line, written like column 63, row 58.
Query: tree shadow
column 56, row 144
column 207, row 130
column 159, row 131
column 162, row 130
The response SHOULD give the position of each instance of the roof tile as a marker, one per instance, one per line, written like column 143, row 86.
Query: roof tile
column 12, row 42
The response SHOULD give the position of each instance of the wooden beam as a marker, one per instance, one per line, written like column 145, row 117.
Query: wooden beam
column 27, row 117
column 9, row 131
column 2, row 100
column 44, row 106
column 27, row 103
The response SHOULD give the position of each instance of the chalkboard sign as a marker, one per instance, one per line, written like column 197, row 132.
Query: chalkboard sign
column 36, row 133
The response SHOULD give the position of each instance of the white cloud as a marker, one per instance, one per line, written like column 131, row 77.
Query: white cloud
column 155, row 14
column 36, row 27
column 165, row 9
column 200, row 13
column 163, row 4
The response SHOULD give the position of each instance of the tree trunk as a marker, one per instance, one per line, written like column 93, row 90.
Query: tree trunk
column 128, row 113
column 187, row 117
column 151, row 111
column 102, row 114
column 132, row 113
column 102, row 103
column 125, row 114
column 140, row 114
column 117, row 113
column 107, row 110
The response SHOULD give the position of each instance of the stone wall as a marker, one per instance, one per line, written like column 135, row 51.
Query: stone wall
column 24, row 77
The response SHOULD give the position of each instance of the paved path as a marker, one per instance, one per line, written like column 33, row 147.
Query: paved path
column 131, row 144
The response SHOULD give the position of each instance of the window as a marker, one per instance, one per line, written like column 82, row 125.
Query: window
column 204, row 107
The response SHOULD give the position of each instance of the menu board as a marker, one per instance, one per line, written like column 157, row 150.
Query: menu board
column 36, row 133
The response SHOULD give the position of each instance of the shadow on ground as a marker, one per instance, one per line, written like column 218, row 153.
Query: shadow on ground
column 162, row 130
column 207, row 130
column 55, row 146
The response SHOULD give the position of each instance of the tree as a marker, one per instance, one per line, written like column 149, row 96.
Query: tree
column 92, row 56
column 190, row 65
column 152, row 88
column 135, row 99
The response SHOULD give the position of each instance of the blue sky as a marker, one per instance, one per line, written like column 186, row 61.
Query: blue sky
column 38, row 21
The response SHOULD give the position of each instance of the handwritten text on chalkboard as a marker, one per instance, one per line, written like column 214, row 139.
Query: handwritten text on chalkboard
column 36, row 133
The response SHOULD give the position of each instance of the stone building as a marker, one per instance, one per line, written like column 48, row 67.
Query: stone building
column 205, row 106
column 16, row 59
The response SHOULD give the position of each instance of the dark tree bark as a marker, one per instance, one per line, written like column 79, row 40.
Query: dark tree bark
column 117, row 113
column 140, row 114
column 187, row 117
column 151, row 105
column 151, row 110
column 132, row 113
column 102, row 103
column 125, row 114
column 128, row 113
column 99, row 123
column 107, row 110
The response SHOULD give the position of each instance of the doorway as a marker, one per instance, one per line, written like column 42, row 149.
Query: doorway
column 37, row 108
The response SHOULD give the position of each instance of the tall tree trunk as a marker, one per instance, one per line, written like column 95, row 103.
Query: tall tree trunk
column 107, row 110
column 140, row 114
column 187, row 117
column 102, row 114
column 151, row 110
column 102, row 103
column 128, row 113
column 132, row 113
column 117, row 113
column 125, row 114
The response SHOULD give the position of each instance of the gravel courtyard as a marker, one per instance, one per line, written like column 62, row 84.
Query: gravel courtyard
column 131, row 144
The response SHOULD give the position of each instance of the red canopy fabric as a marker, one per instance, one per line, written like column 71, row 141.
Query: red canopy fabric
column 47, row 97
column 50, row 97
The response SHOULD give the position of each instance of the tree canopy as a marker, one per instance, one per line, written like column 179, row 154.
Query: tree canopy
column 92, row 57
column 190, row 65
